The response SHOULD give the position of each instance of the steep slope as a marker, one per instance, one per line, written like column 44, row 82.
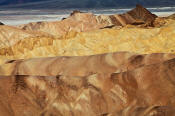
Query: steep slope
column 129, row 38
column 10, row 36
column 139, row 82
column 142, row 91
column 172, row 16
column 79, row 22
column 82, row 65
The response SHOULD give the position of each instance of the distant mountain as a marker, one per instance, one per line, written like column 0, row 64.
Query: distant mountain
column 59, row 4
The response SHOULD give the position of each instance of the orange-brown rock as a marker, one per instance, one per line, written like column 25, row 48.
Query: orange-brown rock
column 142, row 14
column 10, row 35
column 81, row 65
column 144, row 91
column 80, row 22
column 137, row 16
column 128, row 38
column 172, row 16
column 74, row 84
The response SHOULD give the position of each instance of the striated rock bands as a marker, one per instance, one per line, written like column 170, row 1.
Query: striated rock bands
column 133, row 39
column 82, row 65
column 79, row 22
column 78, row 67
column 142, row 91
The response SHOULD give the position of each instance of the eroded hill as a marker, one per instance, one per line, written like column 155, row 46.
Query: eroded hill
column 78, row 67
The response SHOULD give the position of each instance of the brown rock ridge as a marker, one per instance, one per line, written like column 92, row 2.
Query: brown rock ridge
column 80, row 22
column 137, row 16
column 144, row 91
column 23, row 41
column 10, row 35
column 142, row 14
column 81, row 65
column 132, row 39
column 172, row 16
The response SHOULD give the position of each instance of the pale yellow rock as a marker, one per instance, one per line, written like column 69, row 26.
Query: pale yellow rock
column 133, row 39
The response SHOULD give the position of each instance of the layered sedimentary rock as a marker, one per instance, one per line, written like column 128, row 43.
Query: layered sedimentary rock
column 82, row 65
column 84, row 72
column 10, row 35
column 144, row 91
column 79, row 22
column 172, row 16
column 53, row 39
column 141, row 14
column 137, row 16
column 133, row 39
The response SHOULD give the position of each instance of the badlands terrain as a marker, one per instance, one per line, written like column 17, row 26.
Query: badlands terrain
column 89, row 65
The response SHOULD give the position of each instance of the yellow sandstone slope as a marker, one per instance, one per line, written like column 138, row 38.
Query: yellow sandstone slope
column 129, row 38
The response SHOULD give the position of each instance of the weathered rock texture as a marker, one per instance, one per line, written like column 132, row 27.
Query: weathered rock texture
column 172, row 16
column 144, row 91
column 133, row 39
column 10, row 35
column 135, row 83
column 71, row 40
column 79, row 22
column 82, row 65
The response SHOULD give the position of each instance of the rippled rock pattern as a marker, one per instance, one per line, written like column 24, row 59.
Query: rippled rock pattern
column 88, row 65
column 132, row 39
column 147, row 90
column 82, row 65
column 80, row 22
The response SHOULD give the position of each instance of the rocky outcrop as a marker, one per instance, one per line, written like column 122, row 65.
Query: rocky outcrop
column 84, row 71
column 42, row 34
column 145, row 90
column 82, row 65
column 10, row 36
column 172, row 16
column 137, row 16
column 133, row 39
column 80, row 22
column 141, row 14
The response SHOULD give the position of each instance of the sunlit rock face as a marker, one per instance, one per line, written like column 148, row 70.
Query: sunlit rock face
column 172, row 16
column 87, row 65
column 82, row 65
column 81, row 22
column 129, row 38
column 87, row 34
column 145, row 90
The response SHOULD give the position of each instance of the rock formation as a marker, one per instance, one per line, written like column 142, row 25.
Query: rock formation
column 145, row 90
column 82, row 65
column 132, row 39
column 88, row 65
column 81, row 22
column 172, row 16
column 141, row 14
